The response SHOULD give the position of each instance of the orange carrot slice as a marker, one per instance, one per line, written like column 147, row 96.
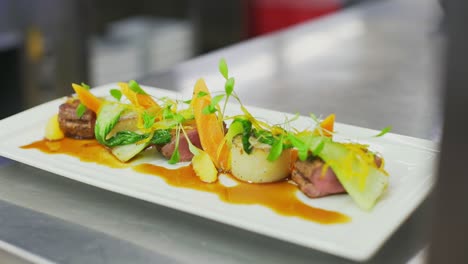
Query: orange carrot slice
column 209, row 128
column 327, row 126
column 87, row 98
column 144, row 100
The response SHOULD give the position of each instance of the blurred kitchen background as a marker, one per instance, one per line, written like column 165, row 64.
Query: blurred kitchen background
column 47, row 44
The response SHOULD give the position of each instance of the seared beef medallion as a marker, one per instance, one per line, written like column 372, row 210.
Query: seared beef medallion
column 74, row 126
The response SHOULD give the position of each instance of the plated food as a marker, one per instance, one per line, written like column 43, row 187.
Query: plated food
column 257, row 154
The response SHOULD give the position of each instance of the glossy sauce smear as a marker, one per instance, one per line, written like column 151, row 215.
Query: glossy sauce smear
column 279, row 197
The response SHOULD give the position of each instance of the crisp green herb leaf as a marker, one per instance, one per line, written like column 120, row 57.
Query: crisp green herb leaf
column 116, row 93
column 148, row 120
column 314, row 117
column 125, row 138
column 264, row 136
column 187, row 102
column 167, row 113
column 175, row 157
column 134, row 86
column 217, row 99
column 161, row 136
column 223, row 69
column 201, row 94
column 247, row 125
column 319, row 147
column 276, row 149
column 229, row 86
column 179, row 118
column 209, row 109
column 235, row 129
column 87, row 87
column 302, row 148
column 384, row 131
column 80, row 110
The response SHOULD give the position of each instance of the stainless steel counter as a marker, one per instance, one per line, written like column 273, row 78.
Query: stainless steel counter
column 373, row 65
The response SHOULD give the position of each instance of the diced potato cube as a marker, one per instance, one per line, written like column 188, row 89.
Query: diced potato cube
column 52, row 130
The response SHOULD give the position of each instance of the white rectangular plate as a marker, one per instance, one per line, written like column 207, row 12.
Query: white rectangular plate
column 410, row 162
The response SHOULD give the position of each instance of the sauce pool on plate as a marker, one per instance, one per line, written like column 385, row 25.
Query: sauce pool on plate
column 279, row 196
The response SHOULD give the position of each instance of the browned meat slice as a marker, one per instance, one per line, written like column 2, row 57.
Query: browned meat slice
column 312, row 181
column 74, row 126
column 185, row 154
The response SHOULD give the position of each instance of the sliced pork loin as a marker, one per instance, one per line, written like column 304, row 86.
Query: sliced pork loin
column 184, row 151
column 312, row 181
column 74, row 126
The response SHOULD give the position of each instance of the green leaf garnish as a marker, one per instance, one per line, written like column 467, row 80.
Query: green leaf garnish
column 187, row 102
column 148, row 120
column 223, row 69
column 87, row 87
column 384, row 131
column 167, row 112
column 209, row 109
column 247, row 125
column 201, row 94
column 125, row 138
column 302, row 148
column 80, row 110
column 175, row 157
column 161, row 136
column 116, row 93
column 134, row 86
column 264, row 136
column 217, row 99
column 235, row 129
column 276, row 149
column 179, row 118
column 229, row 86
column 319, row 147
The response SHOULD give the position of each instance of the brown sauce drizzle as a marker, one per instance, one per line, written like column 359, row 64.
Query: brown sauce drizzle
column 279, row 197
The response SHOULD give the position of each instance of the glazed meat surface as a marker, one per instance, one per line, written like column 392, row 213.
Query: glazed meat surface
column 313, row 181
column 184, row 151
column 74, row 126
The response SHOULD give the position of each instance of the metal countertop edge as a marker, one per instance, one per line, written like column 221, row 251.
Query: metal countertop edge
column 40, row 238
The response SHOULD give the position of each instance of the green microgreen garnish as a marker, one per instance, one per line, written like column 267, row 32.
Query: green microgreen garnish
column 175, row 157
column 302, row 148
column 229, row 86
column 264, row 136
column 223, row 69
column 187, row 101
column 201, row 94
column 80, row 110
column 209, row 109
column 148, row 120
column 116, row 93
column 134, row 86
column 319, row 147
column 247, row 125
column 384, row 131
column 167, row 112
column 276, row 149
column 179, row 118
column 84, row 85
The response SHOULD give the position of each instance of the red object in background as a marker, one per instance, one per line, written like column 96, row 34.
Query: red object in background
column 270, row 15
